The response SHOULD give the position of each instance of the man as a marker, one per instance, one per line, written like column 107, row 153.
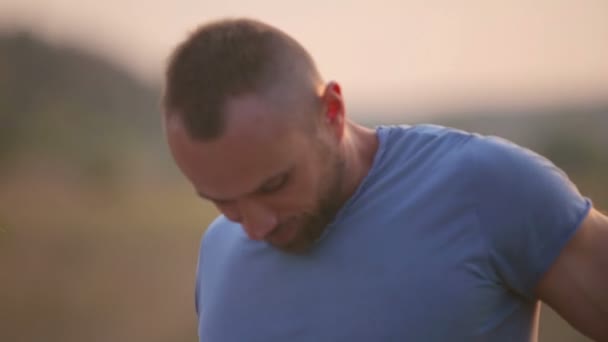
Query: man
column 331, row 231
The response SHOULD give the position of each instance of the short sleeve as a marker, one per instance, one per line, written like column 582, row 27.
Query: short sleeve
column 528, row 210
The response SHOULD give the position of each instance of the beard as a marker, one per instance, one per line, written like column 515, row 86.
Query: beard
column 310, row 226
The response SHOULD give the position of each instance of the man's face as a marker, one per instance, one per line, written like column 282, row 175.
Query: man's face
column 278, row 178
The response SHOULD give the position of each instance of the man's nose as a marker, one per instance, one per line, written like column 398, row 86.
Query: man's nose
column 257, row 220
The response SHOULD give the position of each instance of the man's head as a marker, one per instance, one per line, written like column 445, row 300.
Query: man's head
column 252, row 126
column 225, row 59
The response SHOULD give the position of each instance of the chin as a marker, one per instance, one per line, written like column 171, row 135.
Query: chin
column 296, row 247
column 303, row 242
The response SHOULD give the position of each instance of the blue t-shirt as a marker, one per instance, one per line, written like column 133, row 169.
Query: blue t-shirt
column 444, row 240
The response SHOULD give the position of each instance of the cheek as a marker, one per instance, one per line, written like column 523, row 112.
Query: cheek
column 300, row 196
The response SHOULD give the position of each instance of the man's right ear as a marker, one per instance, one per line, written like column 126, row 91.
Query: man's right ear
column 334, row 112
column 334, row 105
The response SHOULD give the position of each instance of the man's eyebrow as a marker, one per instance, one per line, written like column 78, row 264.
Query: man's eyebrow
column 258, row 189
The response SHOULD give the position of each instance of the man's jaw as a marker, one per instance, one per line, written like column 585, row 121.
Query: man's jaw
column 295, row 238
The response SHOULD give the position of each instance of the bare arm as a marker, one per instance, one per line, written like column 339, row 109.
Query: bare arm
column 576, row 285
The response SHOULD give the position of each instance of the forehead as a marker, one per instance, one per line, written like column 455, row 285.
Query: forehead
column 258, row 142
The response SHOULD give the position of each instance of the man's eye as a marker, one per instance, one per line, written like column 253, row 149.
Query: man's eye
column 274, row 185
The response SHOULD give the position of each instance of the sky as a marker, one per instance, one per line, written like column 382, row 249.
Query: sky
column 422, row 55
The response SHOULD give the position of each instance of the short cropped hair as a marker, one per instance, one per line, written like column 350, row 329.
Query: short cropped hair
column 224, row 59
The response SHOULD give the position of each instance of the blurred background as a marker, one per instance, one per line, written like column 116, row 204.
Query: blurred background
column 99, row 233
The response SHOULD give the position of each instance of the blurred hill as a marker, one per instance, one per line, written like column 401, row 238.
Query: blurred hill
column 64, row 107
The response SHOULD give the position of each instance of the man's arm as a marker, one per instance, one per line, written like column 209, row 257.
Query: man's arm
column 576, row 285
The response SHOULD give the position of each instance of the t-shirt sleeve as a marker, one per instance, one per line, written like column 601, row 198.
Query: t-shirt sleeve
column 528, row 210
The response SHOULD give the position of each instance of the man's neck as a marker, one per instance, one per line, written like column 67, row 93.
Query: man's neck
column 359, row 149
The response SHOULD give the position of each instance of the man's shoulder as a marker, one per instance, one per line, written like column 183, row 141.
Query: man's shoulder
column 424, row 131
column 479, row 149
column 495, row 156
column 423, row 138
column 426, row 146
column 442, row 150
column 219, row 234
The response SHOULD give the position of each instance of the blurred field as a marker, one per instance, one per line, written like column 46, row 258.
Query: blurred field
column 79, row 264
column 98, row 232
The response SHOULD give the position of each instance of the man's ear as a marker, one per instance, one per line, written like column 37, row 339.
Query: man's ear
column 333, row 109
